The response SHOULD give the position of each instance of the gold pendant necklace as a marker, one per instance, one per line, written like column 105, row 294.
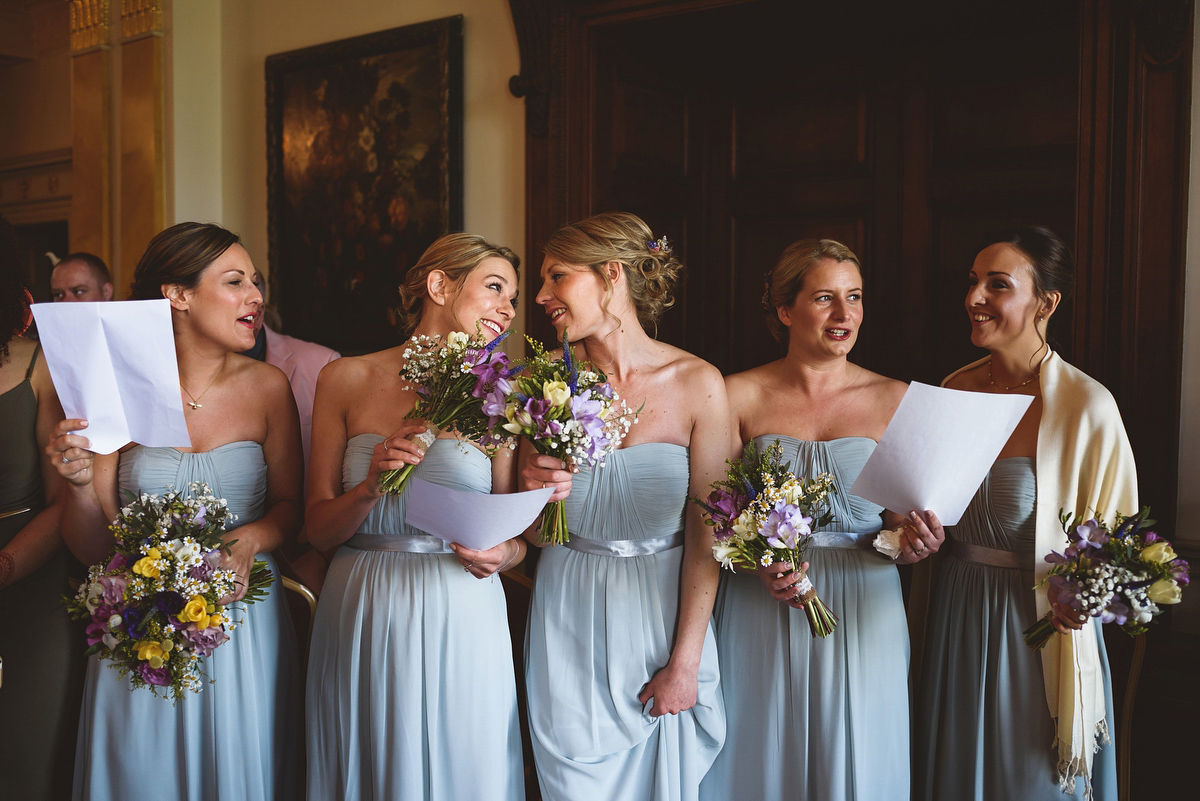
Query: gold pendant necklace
column 1028, row 381
column 195, row 399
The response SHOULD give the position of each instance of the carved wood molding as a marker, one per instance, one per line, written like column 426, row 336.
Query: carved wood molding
column 140, row 17
column 1164, row 28
column 90, row 21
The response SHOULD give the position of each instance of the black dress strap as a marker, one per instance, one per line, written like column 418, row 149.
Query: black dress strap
column 33, row 361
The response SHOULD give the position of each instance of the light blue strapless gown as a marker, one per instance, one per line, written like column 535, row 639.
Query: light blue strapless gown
column 411, row 687
column 810, row 718
column 233, row 740
column 601, row 625
column 984, row 729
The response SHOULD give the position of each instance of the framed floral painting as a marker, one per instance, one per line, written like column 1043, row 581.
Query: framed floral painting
column 364, row 171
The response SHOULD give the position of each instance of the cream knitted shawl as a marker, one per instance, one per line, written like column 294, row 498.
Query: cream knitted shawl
column 1084, row 466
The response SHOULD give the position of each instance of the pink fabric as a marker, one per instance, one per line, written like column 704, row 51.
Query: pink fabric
column 301, row 362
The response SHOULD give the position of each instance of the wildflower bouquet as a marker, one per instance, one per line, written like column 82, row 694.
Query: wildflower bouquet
column 152, row 609
column 1118, row 576
column 567, row 410
column 762, row 513
column 462, row 385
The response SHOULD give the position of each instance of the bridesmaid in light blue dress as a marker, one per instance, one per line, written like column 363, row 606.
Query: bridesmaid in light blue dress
column 235, row 739
column 621, row 667
column 809, row 718
column 987, row 727
column 411, row 687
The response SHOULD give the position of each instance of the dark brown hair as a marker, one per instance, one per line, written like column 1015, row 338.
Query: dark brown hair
column 14, row 303
column 178, row 255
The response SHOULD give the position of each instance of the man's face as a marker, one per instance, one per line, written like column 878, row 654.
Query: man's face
column 73, row 281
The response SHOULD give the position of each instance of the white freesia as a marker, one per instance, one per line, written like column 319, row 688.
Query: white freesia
column 457, row 339
column 723, row 553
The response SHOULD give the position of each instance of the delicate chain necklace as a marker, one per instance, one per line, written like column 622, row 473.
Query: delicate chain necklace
column 1026, row 382
column 195, row 399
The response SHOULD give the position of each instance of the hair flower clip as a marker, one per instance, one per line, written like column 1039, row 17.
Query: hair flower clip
column 657, row 245
column 766, row 298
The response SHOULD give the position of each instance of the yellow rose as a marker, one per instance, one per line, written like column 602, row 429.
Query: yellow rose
column 556, row 392
column 1164, row 591
column 146, row 565
column 215, row 620
column 1160, row 551
column 152, row 652
column 194, row 610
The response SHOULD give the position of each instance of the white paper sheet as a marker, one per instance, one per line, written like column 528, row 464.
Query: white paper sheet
column 938, row 449
column 113, row 364
column 474, row 519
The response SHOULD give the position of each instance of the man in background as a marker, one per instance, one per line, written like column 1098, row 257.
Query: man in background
column 80, row 276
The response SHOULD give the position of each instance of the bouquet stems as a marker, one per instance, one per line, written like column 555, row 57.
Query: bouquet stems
column 554, row 524
column 821, row 619
column 393, row 481
column 1037, row 635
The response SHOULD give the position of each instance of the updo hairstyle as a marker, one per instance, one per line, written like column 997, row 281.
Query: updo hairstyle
column 179, row 255
column 456, row 255
column 651, row 268
column 786, row 278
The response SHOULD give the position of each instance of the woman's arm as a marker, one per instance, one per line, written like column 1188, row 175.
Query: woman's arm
column 88, row 494
column 675, row 687
column 333, row 515
column 538, row 471
column 39, row 539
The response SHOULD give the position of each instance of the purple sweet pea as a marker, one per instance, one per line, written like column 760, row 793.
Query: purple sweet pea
column 1091, row 535
column 205, row 641
column 1115, row 612
column 785, row 525
column 1151, row 537
column 117, row 562
column 201, row 518
column 158, row 676
column 95, row 630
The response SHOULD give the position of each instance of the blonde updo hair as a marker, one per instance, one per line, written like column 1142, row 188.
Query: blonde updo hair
column 786, row 279
column 456, row 255
column 651, row 268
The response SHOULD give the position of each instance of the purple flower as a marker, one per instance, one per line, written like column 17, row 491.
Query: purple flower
column 494, row 404
column 132, row 619
column 785, row 525
column 1056, row 558
column 1090, row 534
column 1151, row 537
column 1115, row 612
column 207, row 567
column 201, row 518
column 114, row 589
column 169, row 602
column 159, row 676
column 493, row 376
column 604, row 390
column 116, row 563
column 95, row 630
column 205, row 641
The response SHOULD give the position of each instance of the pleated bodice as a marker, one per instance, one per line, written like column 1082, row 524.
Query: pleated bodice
column 448, row 463
column 639, row 493
column 842, row 458
column 235, row 471
column 1001, row 515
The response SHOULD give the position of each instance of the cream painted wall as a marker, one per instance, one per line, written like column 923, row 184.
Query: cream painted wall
column 1189, row 422
column 219, row 124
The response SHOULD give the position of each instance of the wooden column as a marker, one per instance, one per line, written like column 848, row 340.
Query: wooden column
column 142, row 146
column 91, row 128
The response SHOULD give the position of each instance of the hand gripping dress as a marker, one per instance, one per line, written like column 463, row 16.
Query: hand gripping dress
column 601, row 624
column 811, row 718
column 233, row 740
column 41, row 646
column 411, row 688
column 983, row 729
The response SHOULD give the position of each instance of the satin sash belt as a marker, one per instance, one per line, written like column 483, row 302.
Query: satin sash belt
column 842, row 539
column 404, row 543
column 993, row 557
column 15, row 512
column 625, row 547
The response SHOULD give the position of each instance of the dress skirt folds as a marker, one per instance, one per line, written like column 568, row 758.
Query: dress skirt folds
column 411, row 689
column 810, row 718
column 984, row 730
column 236, row 738
column 601, row 624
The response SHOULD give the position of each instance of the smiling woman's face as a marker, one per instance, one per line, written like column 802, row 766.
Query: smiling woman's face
column 486, row 299
column 825, row 317
column 225, row 304
column 1001, row 302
